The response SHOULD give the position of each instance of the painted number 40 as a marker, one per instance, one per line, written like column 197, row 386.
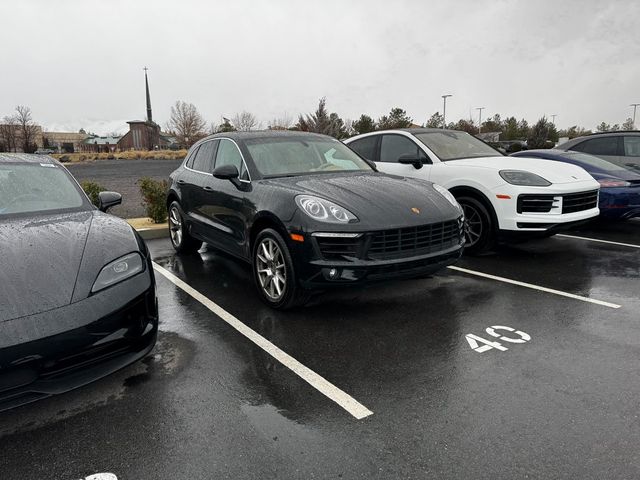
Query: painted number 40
column 481, row 345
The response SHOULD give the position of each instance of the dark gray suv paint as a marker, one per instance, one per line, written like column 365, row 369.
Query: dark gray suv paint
column 621, row 148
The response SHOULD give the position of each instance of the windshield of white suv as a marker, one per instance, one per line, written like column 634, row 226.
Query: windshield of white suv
column 27, row 188
column 449, row 145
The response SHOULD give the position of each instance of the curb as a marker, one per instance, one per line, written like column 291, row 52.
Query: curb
column 153, row 233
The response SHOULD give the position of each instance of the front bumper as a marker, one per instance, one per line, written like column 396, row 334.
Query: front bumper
column 510, row 220
column 68, row 347
column 318, row 266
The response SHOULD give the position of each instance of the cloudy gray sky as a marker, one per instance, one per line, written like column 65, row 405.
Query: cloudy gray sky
column 78, row 63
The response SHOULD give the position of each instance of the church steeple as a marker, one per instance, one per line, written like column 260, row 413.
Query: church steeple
column 146, row 84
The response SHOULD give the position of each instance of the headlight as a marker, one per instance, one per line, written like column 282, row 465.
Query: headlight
column 324, row 210
column 448, row 195
column 520, row 177
column 118, row 270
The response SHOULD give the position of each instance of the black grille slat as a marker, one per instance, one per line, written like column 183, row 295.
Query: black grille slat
column 414, row 240
column 571, row 202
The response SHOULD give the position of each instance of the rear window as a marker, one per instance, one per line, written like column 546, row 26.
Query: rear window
column 26, row 188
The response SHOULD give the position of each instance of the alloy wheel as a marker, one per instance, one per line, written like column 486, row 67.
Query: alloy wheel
column 474, row 224
column 175, row 226
column 271, row 269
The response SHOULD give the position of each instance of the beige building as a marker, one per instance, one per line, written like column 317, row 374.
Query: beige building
column 64, row 142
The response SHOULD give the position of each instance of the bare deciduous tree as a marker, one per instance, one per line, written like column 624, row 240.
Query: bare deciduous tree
column 186, row 123
column 281, row 123
column 27, row 128
column 245, row 122
column 8, row 134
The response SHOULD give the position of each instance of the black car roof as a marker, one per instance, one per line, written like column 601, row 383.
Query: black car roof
column 26, row 158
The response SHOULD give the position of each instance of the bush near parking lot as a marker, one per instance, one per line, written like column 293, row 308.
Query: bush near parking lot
column 126, row 155
column 154, row 194
column 92, row 189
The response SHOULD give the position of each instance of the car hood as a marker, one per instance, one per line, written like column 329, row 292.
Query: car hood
column 555, row 172
column 44, row 256
column 378, row 200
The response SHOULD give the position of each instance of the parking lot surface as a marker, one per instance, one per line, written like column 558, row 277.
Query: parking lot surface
column 519, row 364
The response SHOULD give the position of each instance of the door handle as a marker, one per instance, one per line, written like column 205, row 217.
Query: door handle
column 208, row 189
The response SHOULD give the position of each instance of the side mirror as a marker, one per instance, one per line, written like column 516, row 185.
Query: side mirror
column 411, row 159
column 226, row 172
column 106, row 200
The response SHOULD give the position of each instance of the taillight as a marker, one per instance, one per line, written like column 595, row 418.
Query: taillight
column 605, row 182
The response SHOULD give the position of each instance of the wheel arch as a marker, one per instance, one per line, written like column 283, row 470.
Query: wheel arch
column 465, row 190
column 265, row 220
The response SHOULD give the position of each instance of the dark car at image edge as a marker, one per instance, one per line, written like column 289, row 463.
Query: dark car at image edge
column 308, row 213
column 77, row 290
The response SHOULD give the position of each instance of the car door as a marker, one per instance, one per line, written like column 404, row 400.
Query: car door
column 392, row 146
column 224, row 202
column 197, row 169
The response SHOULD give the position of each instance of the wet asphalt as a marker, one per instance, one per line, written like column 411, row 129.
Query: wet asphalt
column 210, row 404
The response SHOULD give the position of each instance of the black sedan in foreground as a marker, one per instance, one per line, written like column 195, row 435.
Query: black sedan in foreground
column 308, row 213
column 77, row 291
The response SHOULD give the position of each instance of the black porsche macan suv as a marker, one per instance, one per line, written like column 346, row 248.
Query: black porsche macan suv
column 307, row 213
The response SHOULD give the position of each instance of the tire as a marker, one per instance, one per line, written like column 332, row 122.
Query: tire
column 479, row 229
column 274, row 273
column 181, row 240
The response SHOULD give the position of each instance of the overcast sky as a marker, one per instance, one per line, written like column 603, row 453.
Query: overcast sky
column 78, row 63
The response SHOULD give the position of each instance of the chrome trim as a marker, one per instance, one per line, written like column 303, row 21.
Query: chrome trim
column 336, row 235
column 244, row 162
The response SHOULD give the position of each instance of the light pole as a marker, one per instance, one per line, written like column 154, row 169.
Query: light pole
column 553, row 118
column 634, row 105
column 444, row 109
column 480, row 119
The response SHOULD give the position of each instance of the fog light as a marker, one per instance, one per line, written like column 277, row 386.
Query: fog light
column 333, row 273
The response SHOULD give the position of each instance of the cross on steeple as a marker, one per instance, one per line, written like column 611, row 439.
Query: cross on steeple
column 146, row 83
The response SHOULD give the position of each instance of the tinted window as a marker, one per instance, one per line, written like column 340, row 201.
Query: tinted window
column 192, row 158
column 632, row 146
column 228, row 154
column 203, row 161
column 365, row 147
column 393, row 146
column 599, row 146
column 36, row 188
column 300, row 155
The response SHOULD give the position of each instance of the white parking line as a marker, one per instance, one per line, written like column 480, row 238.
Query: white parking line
column 329, row 390
column 535, row 287
column 631, row 245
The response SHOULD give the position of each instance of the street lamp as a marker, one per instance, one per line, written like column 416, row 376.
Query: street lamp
column 480, row 119
column 553, row 118
column 444, row 109
column 634, row 105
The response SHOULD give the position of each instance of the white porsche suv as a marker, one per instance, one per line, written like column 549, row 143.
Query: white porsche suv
column 502, row 197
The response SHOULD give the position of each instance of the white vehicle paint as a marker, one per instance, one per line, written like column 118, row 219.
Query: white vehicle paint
column 476, row 173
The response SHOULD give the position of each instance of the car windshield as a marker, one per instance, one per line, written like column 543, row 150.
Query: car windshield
column 26, row 188
column 449, row 145
column 278, row 157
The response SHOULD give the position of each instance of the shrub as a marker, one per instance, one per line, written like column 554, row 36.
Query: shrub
column 92, row 189
column 154, row 194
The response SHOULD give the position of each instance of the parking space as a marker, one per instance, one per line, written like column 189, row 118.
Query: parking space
column 463, row 376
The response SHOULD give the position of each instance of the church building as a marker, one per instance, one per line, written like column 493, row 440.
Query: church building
column 145, row 134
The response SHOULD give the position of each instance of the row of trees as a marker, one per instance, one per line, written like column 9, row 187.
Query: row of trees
column 18, row 131
column 189, row 126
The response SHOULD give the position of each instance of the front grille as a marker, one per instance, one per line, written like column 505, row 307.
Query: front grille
column 571, row 202
column 577, row 202
column 407, row 242
column 530, row 203
column 394, row 243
